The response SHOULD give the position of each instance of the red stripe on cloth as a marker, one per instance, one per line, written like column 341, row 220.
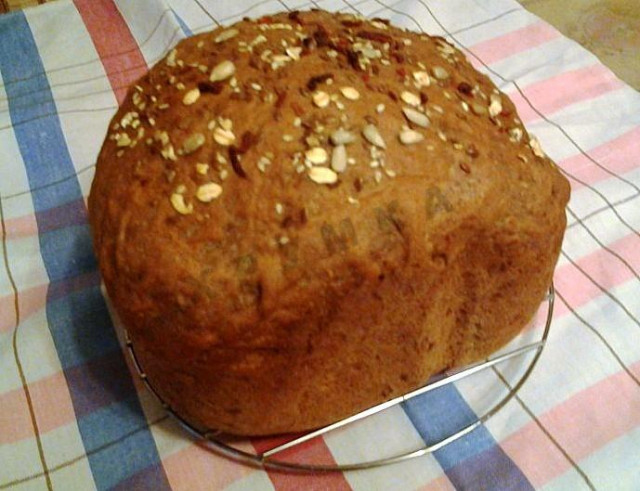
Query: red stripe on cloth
column 314, row 451
column 514, row 42
column 558, row 92
column 611, row 405
column 618, row 156
column 116, row 46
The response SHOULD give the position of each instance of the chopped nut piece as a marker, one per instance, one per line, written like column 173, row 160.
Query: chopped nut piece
column 208, row 192
column 322, row 175
column 225, row 123
column 495, row 107
column 380, row 108
column 534, row 143
column 416, row 117
column 202, row 168
column 440, row 73
column 168, row 152
column 409, row 137
column 190, row 97
column 171, row 57
column 316, row 155
column 226, row 35
column 123, row 140
column 294, row 53
column 279, row 208
column 373, row 136
column 339, row 158
column 222, row 71
column 353, row 200
column 421, row 79
column 350, row 93
column 321, row 98
column 178, row 203
column 193, row 143
column 478, row 109
column 224, row 137
column 515, row 134
column 342, row 137
column 287, row 138
column 410, row 98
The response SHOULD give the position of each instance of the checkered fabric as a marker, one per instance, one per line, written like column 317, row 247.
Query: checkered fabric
column 73, row 415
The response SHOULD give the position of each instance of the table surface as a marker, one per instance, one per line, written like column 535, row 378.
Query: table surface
column 608, row 28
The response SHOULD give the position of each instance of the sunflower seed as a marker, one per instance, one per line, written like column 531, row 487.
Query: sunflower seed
column 322, row 175
column 410, row 98
column 316, row 155
column 440, row 73
column 342, row 137
column 409, row 137
column 350, row 93
column 225, row 35
column 373, row 136
column 339, row 158
column 416, row 117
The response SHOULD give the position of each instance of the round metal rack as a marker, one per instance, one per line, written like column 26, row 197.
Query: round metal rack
column 275, row 457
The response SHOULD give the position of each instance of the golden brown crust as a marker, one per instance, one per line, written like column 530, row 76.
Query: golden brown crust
column 273, row 274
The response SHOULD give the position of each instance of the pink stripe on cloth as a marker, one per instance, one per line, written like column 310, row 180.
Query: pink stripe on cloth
column 116, row 46
column 612, row 405
column 558, row 92
column 195, row 468
column 15, row 424
column 619, row 156
column 315, row 451
column 24, row 226
column 51, row 406
column 29, row 301
column 514, row 42
column 442, row 483
column 607, row 270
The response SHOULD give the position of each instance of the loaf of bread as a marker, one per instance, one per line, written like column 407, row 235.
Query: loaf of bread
column 302, row 215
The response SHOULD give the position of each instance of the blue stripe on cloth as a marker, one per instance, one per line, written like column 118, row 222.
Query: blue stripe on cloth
column 474, row 461
column 116, row 437
column 183, row 24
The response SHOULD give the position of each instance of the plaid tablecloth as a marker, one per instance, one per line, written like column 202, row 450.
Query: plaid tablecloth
column 72, row 416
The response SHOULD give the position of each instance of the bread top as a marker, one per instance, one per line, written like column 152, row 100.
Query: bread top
column 261, row 171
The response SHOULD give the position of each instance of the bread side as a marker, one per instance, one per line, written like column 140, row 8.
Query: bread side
column 303, row 215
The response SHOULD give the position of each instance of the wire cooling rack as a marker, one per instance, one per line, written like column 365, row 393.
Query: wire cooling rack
column 273, row 457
